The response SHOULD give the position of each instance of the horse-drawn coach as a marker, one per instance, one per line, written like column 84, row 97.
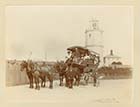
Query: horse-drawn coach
column 80, row 63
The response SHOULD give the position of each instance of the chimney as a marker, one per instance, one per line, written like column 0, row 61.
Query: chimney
column 111, row 52
column 104, row 60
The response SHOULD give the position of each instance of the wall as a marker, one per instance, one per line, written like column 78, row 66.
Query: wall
column 14, row 76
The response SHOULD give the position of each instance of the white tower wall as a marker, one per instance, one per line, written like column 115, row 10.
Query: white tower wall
column 94, row 40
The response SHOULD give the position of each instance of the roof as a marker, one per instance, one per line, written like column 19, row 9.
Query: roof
column 80, row 49
column 112, row 56
column 73, row 48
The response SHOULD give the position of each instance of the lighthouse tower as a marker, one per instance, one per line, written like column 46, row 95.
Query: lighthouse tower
column 94, row 39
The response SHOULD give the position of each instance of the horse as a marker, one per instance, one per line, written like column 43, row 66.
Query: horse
column 64, row 72
column 69, row 78
column 46, row 71
column 36, row 74
column 73, row 72
column 61, row 70
column 24, row 65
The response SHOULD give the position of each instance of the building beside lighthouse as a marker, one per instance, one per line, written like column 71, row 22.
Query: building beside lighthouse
column 94, row 39
column 111, row 59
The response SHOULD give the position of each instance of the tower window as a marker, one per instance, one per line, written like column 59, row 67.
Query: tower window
column 89, row 35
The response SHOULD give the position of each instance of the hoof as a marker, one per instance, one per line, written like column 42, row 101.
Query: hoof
column 51, row 87
column 31, row 87
column 38, row 88
column 70, row 87
column 60, row 84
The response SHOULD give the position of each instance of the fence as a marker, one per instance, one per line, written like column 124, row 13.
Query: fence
column 14, row 76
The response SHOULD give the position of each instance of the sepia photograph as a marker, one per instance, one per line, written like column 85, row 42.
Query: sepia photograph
column 69, row 54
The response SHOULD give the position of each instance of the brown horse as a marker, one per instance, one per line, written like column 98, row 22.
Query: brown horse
column 24, row 66
column 46, row 71
column 36, row 74
column 61, row 70
column 70, row 72
column 77, row 71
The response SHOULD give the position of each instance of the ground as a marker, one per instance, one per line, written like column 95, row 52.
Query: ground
column 109, row 92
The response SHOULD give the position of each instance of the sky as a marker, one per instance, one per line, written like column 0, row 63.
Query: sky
column 47, row 31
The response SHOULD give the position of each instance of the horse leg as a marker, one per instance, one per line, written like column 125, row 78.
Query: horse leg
column 86, row 78
column 35, row 83
column 30, row 80
column 44, row 82
column 75, row 80
column 78, row 82
column 41, row 82
column 51, row 81
column 51, row 84
column 66, row 82
column 32, row 85
column 36, row 76
column 61, row 81
column 71, row 83
column 95, row 81
column 38, row 87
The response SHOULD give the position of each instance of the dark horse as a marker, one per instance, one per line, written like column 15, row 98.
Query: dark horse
column 24, row 65
column 36, row 74
column 61, row 70
column 75, row 71
column 70, row 72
